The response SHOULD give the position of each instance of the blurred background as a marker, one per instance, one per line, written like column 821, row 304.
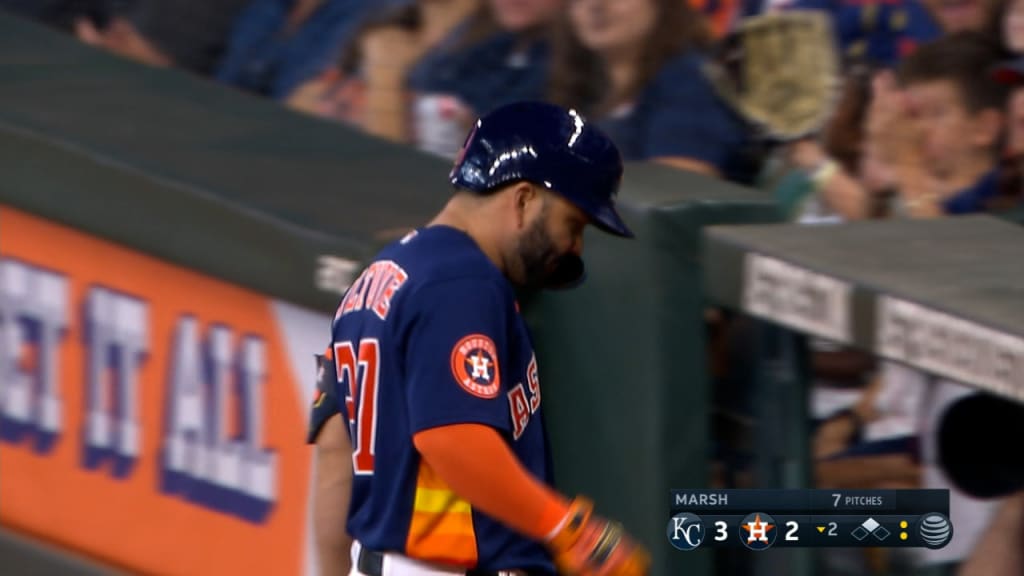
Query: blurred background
column 189, row 186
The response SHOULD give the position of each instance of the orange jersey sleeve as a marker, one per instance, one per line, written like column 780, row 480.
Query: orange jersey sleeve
column 478, row 465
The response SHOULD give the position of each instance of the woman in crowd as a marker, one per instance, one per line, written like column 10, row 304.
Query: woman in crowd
column 636, row 66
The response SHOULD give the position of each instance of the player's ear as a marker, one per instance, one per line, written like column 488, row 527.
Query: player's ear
column 523, row 194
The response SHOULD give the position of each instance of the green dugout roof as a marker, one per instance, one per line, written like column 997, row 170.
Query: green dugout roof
column 945, row 296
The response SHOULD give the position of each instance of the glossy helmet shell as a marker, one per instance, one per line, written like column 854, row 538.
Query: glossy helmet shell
column 549, row 146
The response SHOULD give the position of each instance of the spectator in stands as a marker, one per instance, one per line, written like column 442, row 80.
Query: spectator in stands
column 636, row 67
column 964, row 15
column 189, row 34
column 1010, row 26
column 1011, row 74
column 882, row 32
column 339, row 93
column 497, row 55
column 940, row 129
column 833, row 177
column 870, row 441
column 277, row 45
column 877, row 32
column 368, row 87
column 426, row 72
column 914, row 140
column 918, row 150
column 720, row 15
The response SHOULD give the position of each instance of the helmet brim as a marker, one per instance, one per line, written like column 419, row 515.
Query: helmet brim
column 608, row 219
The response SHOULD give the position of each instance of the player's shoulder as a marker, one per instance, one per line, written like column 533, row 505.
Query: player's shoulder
column 430, row 270
column 426, row 272
column 442, row 255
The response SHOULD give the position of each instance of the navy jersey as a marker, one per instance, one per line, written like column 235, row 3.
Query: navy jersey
column 975, row 197
column 429, row 335
column 881, row 32
column 500, row 69
column 679, row 113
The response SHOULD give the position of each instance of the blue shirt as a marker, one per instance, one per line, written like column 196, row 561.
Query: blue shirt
column 680, row 114
column 429, row 335
column 883, row 32
column 486, row 75
column 973, row 198
column 260, row 59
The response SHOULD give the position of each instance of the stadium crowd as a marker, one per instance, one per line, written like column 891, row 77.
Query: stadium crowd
column 927, row 121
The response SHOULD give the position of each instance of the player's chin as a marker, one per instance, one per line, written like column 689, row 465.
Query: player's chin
column 538, row 280
column 565, row 271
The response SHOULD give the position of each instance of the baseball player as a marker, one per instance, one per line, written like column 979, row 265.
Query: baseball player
column 431, row 449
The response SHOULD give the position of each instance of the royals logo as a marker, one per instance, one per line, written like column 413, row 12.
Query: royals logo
column 475, row 365
column 686, row 531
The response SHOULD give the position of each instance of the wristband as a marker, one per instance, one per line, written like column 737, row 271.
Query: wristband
column 824, row 173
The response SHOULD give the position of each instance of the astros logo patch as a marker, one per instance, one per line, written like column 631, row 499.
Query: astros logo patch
column 475, row 365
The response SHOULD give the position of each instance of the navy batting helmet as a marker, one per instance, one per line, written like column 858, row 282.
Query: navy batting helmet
column 548, row 146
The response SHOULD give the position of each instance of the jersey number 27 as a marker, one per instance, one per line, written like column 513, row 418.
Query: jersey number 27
column 358, row 374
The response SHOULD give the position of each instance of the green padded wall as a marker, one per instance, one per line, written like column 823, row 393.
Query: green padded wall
column 622, row 358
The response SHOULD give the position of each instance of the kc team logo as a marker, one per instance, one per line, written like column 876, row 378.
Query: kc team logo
column 475, row 365
column 685, row 531
column 757, row 531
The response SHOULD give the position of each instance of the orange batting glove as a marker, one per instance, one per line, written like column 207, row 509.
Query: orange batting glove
column 587, row 545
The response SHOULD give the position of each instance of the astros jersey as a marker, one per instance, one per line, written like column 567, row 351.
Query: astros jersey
column 429, row 335
column 883, row 32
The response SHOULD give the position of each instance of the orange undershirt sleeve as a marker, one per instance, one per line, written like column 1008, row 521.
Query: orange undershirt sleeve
column 479, row 466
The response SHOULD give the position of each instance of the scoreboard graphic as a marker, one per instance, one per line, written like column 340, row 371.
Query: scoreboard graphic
column 762, row 519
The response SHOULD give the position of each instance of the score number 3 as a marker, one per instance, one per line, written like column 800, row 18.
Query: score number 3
column 721, row 531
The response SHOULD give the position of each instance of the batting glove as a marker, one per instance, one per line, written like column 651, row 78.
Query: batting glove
column 587, row 545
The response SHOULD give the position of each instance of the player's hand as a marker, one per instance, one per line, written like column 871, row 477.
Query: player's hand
column 587, row 545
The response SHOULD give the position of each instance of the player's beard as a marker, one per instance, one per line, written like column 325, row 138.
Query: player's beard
column 537, row 255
